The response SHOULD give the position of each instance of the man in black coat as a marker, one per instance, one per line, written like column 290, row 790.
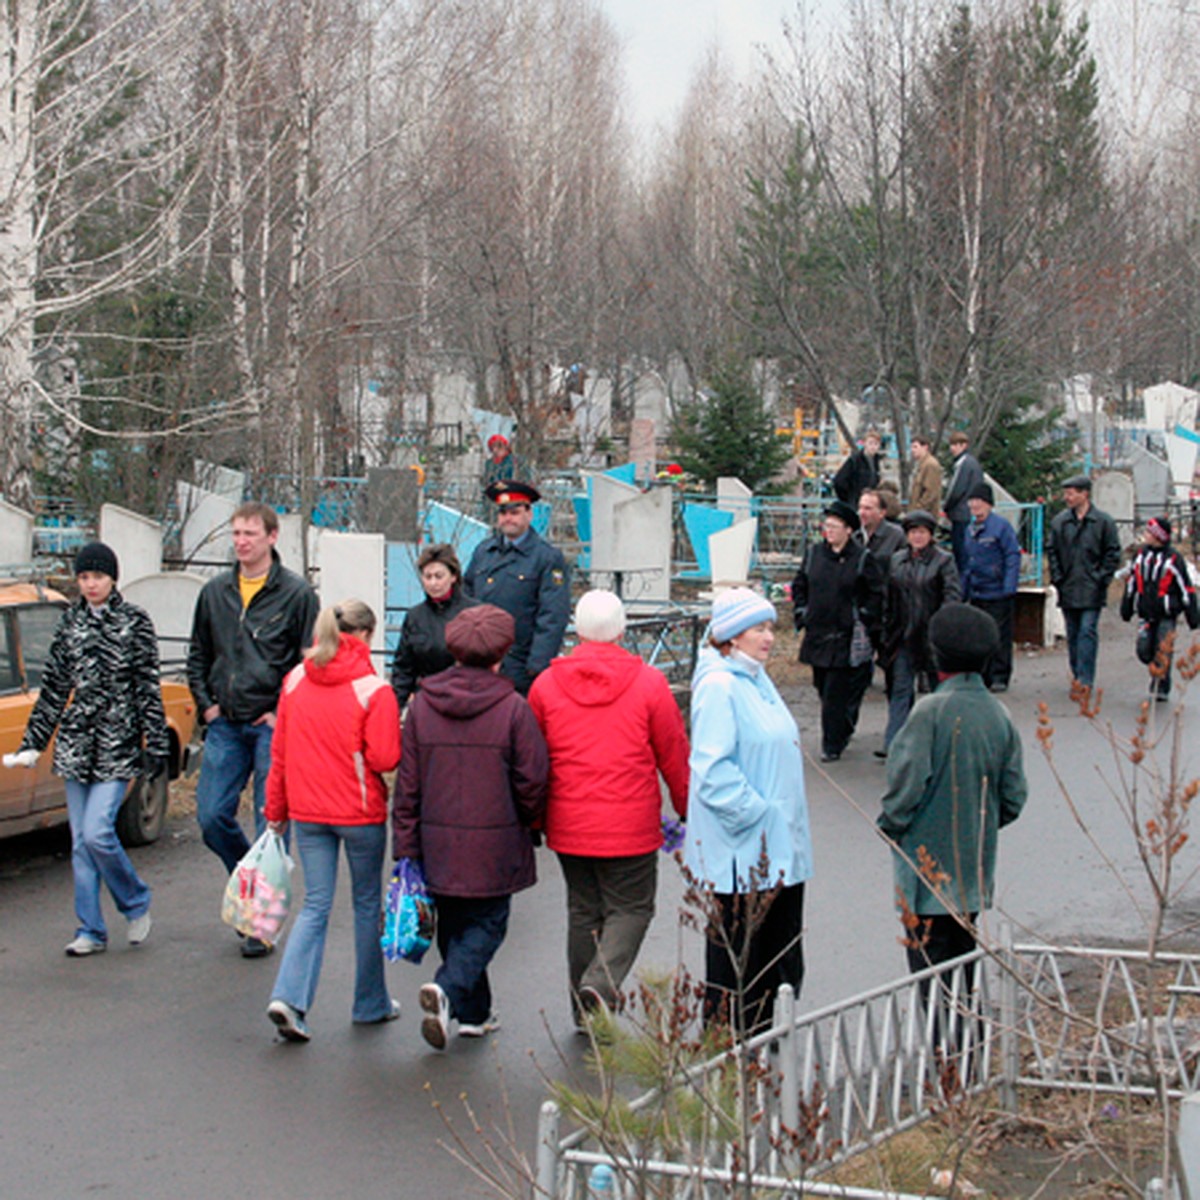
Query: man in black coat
column 520, row 572
column 1084, row 552
column 859, row 471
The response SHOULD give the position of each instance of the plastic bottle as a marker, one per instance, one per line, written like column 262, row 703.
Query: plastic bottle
column 600, row 1182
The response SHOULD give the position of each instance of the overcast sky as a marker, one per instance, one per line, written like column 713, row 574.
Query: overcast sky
column 666, row 39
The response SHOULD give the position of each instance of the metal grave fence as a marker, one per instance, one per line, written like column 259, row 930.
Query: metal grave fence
column 819, row 1088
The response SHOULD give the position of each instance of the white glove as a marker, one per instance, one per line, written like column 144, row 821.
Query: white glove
column 22, row 758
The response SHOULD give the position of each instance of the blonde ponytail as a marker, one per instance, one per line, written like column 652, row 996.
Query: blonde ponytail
column 347, row 616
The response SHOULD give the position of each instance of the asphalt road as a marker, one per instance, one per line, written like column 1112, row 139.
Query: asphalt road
column 153, row 1072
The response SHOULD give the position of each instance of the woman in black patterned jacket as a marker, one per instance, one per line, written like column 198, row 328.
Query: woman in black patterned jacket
column 100, row 689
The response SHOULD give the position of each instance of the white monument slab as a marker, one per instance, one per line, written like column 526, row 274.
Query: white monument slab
column 651, row 401
column 137, row 540
column 1169, row 404
column 733, row 496
column 730, row 551
column 1151, row 479
column 290, row 543
column 223, row 481
column 16, row 535
column 1181, row 457
column 631, row 538
column 1113, row 492
column 170, row 599
column 354, row 565
column 204, row 538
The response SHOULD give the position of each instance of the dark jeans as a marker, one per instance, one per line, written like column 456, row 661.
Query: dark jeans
column 1083, row 641
column 469, row 932
column 1161, row 685
column 233, row 751
column 742, row 978
column 958, row 544
column 1000, row 666
column 610, row 904
column 841, row 690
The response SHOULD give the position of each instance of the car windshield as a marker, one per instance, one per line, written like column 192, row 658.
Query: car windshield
column 38, row 623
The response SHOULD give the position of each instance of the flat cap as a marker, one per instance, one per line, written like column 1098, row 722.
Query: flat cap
column 481, row 635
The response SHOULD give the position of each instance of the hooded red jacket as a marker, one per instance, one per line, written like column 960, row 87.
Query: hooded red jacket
column 337, row 729
column 612, row 725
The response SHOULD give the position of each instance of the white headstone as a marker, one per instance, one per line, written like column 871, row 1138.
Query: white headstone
column 650, row 400
column 730, row 551
column 204, row 537
column 1151, row 478
column 352, row 565
column 170, row 599
column 290, row 544
column 221, row 480
column 733, row 496
column 1181, row 455
column 137, row 540
column 16, row 535
column 1169, row 404
column 631, row 535
column 1113, row 493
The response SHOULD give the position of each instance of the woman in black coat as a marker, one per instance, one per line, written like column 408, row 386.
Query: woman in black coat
column 838, row 599
column 421, row 650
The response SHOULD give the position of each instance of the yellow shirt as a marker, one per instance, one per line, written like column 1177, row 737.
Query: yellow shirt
column 250, row 587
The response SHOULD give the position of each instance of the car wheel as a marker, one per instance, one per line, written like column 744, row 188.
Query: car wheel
column 141, row 818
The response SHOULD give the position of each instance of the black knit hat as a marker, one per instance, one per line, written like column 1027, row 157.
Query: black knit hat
column 963, row 638
column 96, row 556
column 982, row 491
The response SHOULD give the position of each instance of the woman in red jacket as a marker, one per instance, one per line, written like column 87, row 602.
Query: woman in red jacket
column 611, row 724
column 337, row 730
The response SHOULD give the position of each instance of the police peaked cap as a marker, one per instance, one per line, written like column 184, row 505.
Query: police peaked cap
column 512, row 491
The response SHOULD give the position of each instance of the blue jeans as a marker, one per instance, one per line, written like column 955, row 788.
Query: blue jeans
column 900, row 700
column 232, row 750
column 97, row 854
column 1082, row 642
column 300, row 970
column 469, row 932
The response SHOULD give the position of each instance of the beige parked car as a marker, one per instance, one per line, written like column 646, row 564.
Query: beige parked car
column 36, row 799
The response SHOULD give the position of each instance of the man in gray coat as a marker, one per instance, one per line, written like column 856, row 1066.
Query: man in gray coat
column 1084, row 552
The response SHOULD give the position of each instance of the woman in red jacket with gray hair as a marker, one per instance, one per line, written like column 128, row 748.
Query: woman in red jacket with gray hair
column 337, row 729
column 612, row 725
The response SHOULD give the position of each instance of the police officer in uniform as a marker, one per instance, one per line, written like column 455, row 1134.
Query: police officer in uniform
column 520, row 572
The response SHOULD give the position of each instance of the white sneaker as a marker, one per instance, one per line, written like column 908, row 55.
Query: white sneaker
column 288, row 1021
column 84, row 945
column 139, row 929
column 469, row 1030
column 435, row 1028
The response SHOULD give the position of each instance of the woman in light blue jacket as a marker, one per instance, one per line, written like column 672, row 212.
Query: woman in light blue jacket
column 747, row 833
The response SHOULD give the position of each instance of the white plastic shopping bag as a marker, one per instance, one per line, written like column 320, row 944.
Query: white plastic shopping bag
column 259, row 892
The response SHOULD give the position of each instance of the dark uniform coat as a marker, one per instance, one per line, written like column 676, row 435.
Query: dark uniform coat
column 529, row 581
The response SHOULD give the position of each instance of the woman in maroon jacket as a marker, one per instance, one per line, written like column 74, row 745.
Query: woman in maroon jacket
column 472, row 781
column 337, row 729
column 604, row 814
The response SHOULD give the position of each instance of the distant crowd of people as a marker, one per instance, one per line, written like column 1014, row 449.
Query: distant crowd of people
column 504, row 742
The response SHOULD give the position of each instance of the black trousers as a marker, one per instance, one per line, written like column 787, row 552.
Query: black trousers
column 942, row 938
column 841, row 690
column 750, row 958
column 999, row 667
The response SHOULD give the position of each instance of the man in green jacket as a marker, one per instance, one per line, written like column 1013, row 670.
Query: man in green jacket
column 955, row 775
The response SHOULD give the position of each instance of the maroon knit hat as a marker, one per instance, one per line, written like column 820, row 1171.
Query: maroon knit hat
column 481, row 635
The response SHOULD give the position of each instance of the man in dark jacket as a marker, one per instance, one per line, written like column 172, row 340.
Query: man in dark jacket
column 968, row 475
column 991, row 577
column 250, row 627
column 922, row 578
column 1084, row 553
column 838, row 599
column 527, row 577
column 472, row 781
column 881, row 536
column 859, row 471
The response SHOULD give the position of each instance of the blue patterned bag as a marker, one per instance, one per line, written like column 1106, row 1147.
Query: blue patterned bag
column 408, row 914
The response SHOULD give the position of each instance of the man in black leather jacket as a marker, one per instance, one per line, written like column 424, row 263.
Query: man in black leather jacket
column 250, row 627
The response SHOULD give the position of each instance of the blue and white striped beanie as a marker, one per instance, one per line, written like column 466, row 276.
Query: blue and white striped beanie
column 736, row 610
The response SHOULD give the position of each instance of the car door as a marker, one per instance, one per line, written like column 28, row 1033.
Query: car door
column 36, row 624
column 16, row 784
